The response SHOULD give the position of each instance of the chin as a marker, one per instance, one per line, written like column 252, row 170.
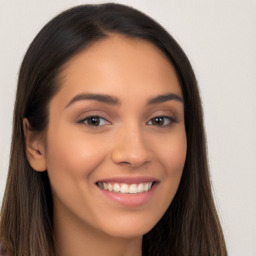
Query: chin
column 127, row 230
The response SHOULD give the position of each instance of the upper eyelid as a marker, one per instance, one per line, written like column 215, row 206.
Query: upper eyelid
column 171, row 118
column 164, row 110
column 94, row 112
column 163, row 113
column 111, row 114
column 82, row 119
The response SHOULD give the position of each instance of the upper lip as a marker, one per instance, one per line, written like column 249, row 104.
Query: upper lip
column 129, row 180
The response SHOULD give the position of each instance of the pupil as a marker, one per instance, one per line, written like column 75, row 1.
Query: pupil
column 94, row 120
column 158, row 120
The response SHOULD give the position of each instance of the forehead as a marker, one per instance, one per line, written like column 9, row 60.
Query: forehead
column 119, row 64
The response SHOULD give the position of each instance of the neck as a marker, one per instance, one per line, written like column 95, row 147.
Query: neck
column 79, row 239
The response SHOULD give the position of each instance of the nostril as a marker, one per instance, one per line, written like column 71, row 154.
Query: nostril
column 125, row 163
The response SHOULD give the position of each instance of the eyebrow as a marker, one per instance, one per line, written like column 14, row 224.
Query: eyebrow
column 114, row 101
column 164, row 98
column 107, row 99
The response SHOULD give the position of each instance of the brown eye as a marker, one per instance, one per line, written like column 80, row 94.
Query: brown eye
column 162, row 121
column 94, row 121
column 158, row 121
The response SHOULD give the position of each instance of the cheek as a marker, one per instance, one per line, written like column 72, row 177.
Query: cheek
column 172, row 156
column 71, row 158
column 71, row 153
column 172, row 153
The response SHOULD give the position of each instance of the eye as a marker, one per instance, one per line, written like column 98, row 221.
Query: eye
column 162, row 121
column 94, row 121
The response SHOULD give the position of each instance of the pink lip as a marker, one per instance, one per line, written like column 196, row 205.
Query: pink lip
column 130, row 200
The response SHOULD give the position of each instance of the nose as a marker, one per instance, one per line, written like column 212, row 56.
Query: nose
column 131, row 148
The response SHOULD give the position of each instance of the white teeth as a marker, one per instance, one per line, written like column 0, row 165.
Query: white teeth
column 126, row 188
column 110, row 187
column 133, row 189
column 116, row 187
column 140, row 188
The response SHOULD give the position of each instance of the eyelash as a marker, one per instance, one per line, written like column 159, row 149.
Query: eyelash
column 98, row 119
column 90, row 118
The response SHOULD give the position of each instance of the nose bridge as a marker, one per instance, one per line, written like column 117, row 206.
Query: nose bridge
column 130, row 146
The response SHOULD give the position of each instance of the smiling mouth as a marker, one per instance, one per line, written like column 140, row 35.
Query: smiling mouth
column 124, row 188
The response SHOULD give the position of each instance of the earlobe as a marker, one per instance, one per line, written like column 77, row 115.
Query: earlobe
column 35, row 149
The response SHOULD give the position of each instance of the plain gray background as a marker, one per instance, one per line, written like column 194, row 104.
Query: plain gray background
column 219, row 37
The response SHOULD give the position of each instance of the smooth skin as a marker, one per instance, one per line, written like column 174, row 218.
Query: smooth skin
column 130, row 134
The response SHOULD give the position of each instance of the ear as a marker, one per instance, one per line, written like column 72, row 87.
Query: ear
column 35, row 149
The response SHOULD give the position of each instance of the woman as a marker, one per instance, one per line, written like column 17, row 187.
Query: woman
column 108, row 153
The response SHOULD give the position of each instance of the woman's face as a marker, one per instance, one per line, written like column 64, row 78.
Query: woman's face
column 116, row 142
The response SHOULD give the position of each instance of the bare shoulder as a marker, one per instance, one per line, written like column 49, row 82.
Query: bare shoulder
column 2, row 249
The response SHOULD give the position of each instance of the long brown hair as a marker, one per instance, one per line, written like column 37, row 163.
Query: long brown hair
column 190, row 226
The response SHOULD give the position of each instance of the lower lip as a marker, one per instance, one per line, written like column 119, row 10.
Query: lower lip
column 130, row 200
